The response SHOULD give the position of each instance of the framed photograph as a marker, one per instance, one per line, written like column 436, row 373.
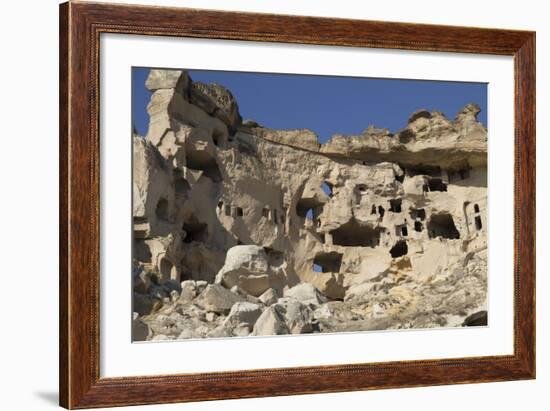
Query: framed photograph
column 259, row 205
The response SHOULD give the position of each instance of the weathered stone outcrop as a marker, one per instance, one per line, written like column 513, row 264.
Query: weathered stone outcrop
column 242, row 230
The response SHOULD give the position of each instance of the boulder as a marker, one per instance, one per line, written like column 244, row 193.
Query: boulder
column 271, row 322
column 243, row 313
column 188, row 290
column 247, row 267
column 269, row 297
column 140, row 330
column 306, row 293
column 217, row 101
column 217, row 299
column 298, row 317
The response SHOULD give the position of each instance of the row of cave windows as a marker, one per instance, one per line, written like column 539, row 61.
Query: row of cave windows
column 267, row 213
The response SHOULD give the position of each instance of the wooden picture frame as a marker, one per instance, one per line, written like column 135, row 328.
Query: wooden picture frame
column 80, row 27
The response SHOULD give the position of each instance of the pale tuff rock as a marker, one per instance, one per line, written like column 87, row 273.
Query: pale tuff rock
column 217, row 299
column 269, row 297
column 247, row 267
column 376, row 231
column 271, row 322
column 306, row 293
column 243, row 313
column 168, row 79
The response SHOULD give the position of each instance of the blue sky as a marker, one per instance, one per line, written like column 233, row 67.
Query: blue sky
column 326, row 104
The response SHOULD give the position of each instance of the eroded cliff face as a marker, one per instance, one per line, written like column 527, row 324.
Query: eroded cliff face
column 240, row 229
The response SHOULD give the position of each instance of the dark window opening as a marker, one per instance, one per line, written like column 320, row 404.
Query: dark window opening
column 399, row 249
column 195, row 231
column 352, row 234
column 328, row 262
column 373, row 209
column 381, row 211
column 395, row 205
column 400, row 178
column 401, row 230
column 436, row 184
column 239, row 211
column 425, row 170
column 478, row 223
column 162, row 209
column 142, row 252
column 476, row 208
column 442, row 225
column 417, row 226
column 265, row 212
column 275, row 258
column 405, row 136
column 208, row 165
column 220, row 206
column 418, row 214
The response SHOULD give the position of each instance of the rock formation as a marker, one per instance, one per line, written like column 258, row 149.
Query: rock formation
column 243, row 230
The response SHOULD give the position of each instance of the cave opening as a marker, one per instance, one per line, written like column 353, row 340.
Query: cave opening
column 308, row 208
column 418, row 214
column 436, row 184
column 476, row 208
column 442, row 225
column 162, row 210
column 205, row 163
column 195, row 231
column 217, row 138
column 395, row 205
column 275, row 258
column 424, row 170
column 478, row 223
column 328, row 262
column 381, row 211
column 353, row 234
column 417, row 226
column 142, row 252
column 399, row 249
